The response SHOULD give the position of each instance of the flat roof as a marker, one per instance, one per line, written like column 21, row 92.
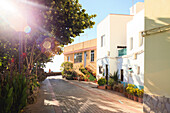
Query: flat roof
column 121, row 14
column 115, row 14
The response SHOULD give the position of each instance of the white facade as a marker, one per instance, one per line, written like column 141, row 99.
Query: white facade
column 133, row 63
column 112, row 30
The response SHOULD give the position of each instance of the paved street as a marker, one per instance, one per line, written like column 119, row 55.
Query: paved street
column 80, row 97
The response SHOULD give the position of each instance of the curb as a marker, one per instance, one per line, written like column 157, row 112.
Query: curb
column 57, row 109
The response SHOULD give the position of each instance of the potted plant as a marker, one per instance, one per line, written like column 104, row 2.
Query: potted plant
column 110, row 83
column 124, row 90
column 94, row 73
column 115, row 77
column 130, row 90
column 101, row 83
column 120, row 86
column 115, row 87
column 140, row 95
column 85, row 78
column 95, row 81
column 135, row 96
column 81, row 78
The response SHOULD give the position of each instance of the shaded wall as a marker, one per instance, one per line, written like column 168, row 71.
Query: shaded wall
column 157, row 58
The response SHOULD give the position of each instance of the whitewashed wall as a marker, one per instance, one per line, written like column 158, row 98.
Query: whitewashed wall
column 103, row 29
column 118, row 25
column 114, row 29
column 134, row 27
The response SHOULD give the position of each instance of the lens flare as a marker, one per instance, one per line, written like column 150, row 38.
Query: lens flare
column 27, row 29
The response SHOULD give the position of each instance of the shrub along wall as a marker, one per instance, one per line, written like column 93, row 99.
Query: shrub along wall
column 13, row 93
column 15, row 90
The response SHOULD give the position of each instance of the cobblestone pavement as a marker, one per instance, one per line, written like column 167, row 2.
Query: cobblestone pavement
column 82, row 97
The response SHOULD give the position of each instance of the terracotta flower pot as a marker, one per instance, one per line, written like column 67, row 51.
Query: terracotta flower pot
column 86, row 80
column 81, row 79
column 125, row 93
column 140, row 99
column 117, row 89
column 109, row 87
column 121, row 90
column 101, row 87
column 135, row 98
column 95, row 81
column 129, row 96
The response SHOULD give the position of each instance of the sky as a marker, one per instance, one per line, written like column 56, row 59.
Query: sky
column 101, row 8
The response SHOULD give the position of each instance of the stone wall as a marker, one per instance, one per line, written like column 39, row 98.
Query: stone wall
column 156, row 104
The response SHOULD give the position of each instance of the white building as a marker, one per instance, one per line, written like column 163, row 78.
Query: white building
column 131, row 66
column 111, row 34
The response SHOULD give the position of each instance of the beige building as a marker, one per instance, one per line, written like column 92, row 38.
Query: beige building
column 157, row 56
column 84, row 53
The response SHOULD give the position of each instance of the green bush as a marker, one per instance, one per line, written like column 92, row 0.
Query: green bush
column 41, row 75
column 74, row 74
column 110, row 82
column 102, row 81
column 115, row 76
column 66, row 68
column 33, row 88
column 13, row 93
column 69, row 77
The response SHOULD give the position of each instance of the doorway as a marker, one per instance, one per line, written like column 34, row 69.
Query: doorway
column 107, row 74
column 121, row 72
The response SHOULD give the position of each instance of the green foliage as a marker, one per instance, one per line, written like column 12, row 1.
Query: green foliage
column 9, row 49
column 115, row 76
column 66, row 68
column 74, row 74
column 102, row 81
column 32, row 85
column 41, row 75
column 20, row 91
column 91, row 77
column 87, row 73
column 130, row 89
column 64, row 19
column 13, row 96
column 140, row 93
column 111, row 82
column 120, row 86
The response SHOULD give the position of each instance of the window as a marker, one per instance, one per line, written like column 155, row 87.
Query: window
column 68, row 58
column 131, row 43
column 122, row 52
column 102, row 40
column 77, row 57
column 92, row 56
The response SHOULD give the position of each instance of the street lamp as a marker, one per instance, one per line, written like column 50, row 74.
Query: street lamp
column 10, row 13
